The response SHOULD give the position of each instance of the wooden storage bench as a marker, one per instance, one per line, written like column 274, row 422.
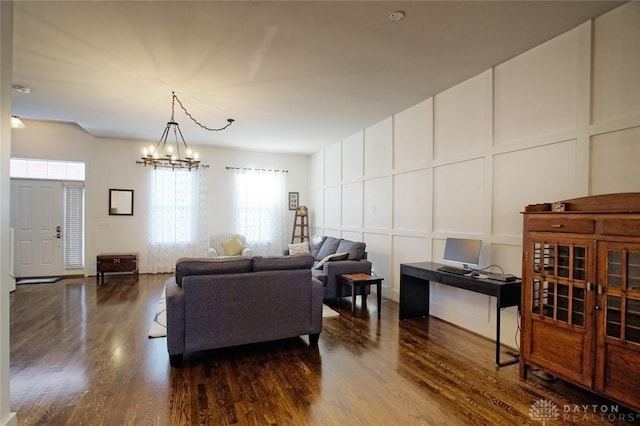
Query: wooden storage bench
column 116, row 262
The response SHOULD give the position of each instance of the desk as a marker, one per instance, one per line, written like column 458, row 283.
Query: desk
column 414, row 293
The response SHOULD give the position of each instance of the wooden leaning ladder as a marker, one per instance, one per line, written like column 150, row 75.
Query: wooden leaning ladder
column 300, row 224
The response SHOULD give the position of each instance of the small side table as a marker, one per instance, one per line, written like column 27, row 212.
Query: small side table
column 360, row 280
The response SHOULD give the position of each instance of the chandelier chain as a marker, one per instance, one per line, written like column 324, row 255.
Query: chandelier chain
column 229, row 120
column 164, row 155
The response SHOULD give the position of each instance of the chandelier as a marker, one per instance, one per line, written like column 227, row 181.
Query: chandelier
column 164, row 155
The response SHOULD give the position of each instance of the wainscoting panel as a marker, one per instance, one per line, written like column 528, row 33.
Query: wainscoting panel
column 413, row 136
column 332, row 203
column 407, row 250
column 380, row 257
column 468, row 103
column 332, row 164
column 378, row 148
column 536, row 92
column 352, row 205
column 458, row 197
column 535, row 175
column 377, row 203
column 616, row 64
column 614, row 162
column 412, row 210
column 353, row 157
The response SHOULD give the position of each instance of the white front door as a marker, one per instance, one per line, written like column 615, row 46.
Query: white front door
column 36, row 217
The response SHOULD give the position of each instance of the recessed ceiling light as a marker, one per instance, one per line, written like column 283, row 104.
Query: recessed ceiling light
column 22, row 89
column 397, row 16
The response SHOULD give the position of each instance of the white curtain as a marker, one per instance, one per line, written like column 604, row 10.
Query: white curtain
column 178, row 217
column 259, row 210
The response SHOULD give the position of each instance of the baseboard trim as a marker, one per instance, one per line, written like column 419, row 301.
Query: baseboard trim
column 10, row 420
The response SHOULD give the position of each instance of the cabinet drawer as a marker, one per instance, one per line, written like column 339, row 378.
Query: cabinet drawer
column 561, row 224
column 627, row 227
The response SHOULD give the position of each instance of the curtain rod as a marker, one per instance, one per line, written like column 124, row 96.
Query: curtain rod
column 262, row 170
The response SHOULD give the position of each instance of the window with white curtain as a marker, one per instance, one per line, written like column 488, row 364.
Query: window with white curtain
column 260, row 208
column 172, row 212
column 177, row 225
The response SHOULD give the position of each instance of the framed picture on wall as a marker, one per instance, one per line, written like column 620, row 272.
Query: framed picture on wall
column 293, row 200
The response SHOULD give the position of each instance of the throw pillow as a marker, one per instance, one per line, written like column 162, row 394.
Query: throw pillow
column 233, row 246
column 329, row 246
column 330, row 258
column 355, row 249
column 300, row 248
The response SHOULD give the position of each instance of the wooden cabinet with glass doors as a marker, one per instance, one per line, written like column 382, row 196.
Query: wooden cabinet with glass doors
column 581, row 293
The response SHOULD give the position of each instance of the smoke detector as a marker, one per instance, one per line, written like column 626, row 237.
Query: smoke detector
column 397, row 16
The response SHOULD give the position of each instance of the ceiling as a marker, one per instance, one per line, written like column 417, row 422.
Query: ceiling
column 295, row 75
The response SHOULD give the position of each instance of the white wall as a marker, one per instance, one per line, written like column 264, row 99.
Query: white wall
column 6, row 282
column 110, row 163
column 559, row 121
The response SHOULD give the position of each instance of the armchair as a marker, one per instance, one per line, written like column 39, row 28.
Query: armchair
column 228, row 244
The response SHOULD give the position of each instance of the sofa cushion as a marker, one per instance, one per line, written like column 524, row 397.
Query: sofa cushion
column 331, row 257
column 315, row 244
column 205, row 266
column 329, row 246
column 233, row 246
column 355, row 249
column 279, row 263
column 299, row 248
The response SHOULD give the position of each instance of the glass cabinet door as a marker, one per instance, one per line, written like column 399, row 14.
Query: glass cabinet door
column 618, row 321
column 620, row 285
column 559, row 282
column 558, row 325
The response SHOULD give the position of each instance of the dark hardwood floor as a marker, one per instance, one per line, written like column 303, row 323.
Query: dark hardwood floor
column 80, row 355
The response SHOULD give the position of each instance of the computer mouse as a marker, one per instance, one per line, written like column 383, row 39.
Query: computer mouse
column 475, row 274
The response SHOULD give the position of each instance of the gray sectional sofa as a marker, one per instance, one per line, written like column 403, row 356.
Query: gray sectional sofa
column 353, row 260
column 215, row 303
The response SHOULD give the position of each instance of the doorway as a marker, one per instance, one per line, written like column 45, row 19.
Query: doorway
column 36, row 218
column 47, row 216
